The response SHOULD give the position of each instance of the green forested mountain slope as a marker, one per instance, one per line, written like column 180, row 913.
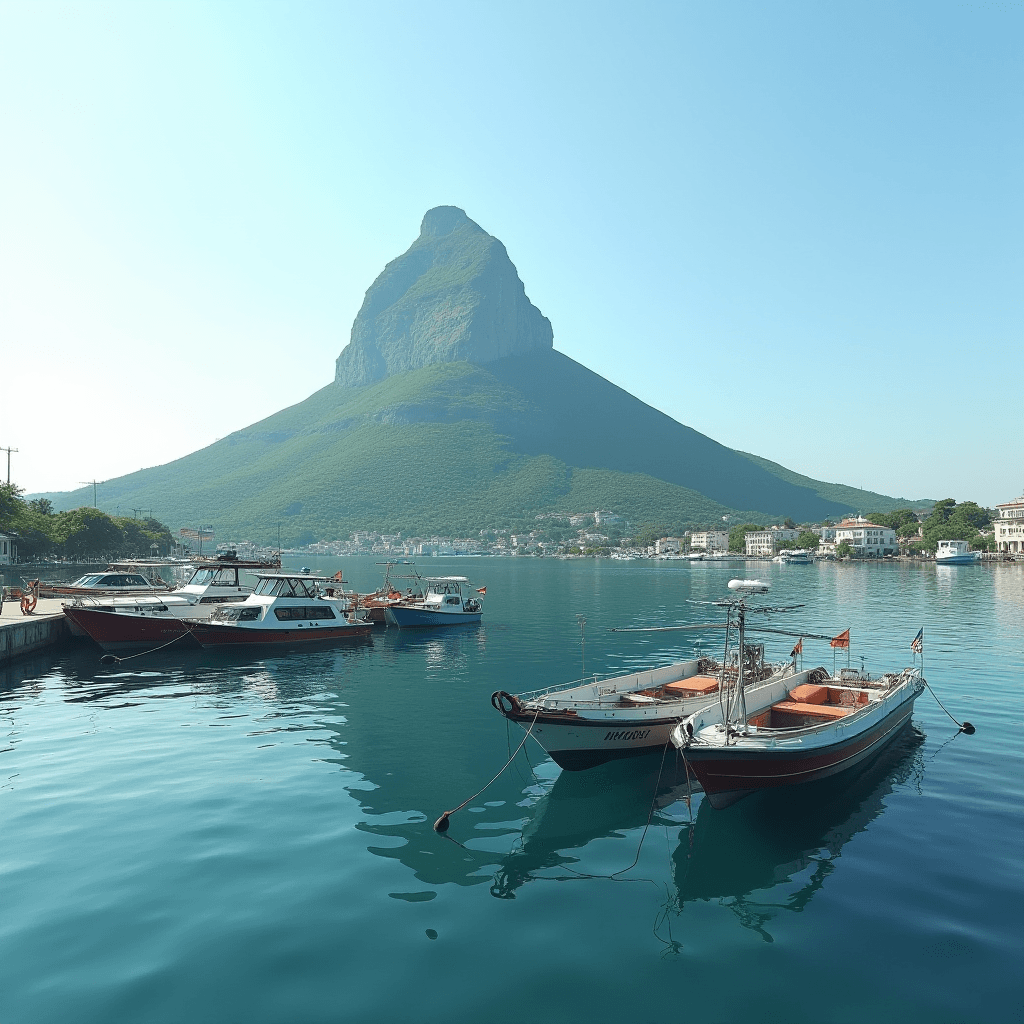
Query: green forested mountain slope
column 454, row 448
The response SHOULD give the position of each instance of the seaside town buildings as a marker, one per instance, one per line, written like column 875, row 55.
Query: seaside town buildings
column 709, row 540
column 6, row 549
column 1009, row 527
column 765, row 543
column 867, row 538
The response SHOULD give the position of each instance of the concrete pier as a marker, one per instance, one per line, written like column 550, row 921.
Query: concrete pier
column 21, row 634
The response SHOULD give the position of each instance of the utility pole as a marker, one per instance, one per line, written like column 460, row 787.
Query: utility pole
column 94, row 483
column 8, row 450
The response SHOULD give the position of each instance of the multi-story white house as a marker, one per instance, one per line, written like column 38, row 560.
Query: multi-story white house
column 668, row 546
column 709, row 540
column 6, row 549
column 765, row 543
column 1009, row 527
column 867, row 538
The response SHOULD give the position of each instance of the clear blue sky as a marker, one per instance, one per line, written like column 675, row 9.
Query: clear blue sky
column 795, row 227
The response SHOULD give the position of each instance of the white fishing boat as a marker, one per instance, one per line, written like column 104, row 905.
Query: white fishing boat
column 582, row 724
column 793, row 556
column 442, row 604
column 956, row 552
column 796, row 729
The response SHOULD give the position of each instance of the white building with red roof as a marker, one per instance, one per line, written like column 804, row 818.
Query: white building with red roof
column 1009, row 527
column 867, row 538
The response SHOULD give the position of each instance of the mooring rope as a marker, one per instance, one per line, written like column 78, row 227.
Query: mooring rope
column 441, row 825
column 113, row 659
column 964, row 726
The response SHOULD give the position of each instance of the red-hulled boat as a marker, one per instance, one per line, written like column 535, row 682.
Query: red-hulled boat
column 805, row 727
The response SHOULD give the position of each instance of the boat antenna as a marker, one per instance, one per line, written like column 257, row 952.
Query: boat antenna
column 582, row 620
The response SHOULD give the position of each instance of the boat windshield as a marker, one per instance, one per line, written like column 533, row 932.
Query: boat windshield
column 87, row 581
column 276, row 587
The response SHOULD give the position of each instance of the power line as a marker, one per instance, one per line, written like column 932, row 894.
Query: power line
column 8, row 450
column 94, row 484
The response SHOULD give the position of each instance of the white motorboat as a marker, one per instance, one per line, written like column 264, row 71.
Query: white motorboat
column 956, row 552
column 793, row 556
column 146, row 619
column 285, row 610
column 442, row 604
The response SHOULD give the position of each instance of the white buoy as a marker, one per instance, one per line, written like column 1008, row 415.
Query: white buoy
column 749, row 586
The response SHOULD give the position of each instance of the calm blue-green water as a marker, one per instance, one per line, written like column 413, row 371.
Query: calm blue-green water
column 194, row 837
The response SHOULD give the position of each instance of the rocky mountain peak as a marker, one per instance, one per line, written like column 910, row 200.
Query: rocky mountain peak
column 453, row 295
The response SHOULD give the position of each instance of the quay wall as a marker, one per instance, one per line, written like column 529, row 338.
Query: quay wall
column 25, row 634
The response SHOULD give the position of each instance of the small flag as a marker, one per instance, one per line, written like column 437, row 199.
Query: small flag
column 843, row 640
column 799, row 649
column 918, row 645
column 481, row 590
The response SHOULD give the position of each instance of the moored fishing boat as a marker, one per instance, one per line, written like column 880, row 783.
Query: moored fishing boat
column 119, row 623
column 584, row 724
column 442, row 604
column 794, row 730
column 285, row 610
column 956, row 552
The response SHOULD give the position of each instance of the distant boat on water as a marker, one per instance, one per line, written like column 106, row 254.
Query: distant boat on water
column 956, row 552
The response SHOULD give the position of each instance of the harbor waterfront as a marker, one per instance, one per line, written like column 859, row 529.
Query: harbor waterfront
column 213, row 836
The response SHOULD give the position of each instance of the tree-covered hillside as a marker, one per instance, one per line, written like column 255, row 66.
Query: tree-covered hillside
column 455, row 448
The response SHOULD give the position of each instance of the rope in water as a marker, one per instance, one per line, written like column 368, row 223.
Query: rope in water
column 441, row 825
column 113, row 659
column 965, row 726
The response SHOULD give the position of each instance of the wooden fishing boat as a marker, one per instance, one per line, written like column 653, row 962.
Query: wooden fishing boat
column 797, row 729
column 584, row 724
column 442, row 604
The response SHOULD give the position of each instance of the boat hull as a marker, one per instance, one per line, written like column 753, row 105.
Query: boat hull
column 971, row 558
column 213, row 634
column 728, row 774
column 115, row 631
column 420, row 618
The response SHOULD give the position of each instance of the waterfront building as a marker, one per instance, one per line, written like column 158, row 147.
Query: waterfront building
column 6, row 549
column 765, row 543
column 668, row 546
column 867, row 538
column 709, row 540
column 1009, row 527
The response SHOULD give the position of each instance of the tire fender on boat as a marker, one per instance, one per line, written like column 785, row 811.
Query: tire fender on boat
column 498, row 699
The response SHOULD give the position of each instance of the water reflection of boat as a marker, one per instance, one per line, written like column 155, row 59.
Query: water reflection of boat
column 578, row 808
column 783, row 837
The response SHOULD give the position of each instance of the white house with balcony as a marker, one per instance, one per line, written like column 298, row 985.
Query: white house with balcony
column 709, row 540
column 1009, row 527
column 668, row 546
column 765, row 543
column 867, row 538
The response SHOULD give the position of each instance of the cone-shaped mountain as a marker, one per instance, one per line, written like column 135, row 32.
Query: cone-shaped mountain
column 451, row 412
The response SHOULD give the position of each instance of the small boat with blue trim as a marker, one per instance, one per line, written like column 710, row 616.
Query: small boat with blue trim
column 956, row 552
column 442, row 604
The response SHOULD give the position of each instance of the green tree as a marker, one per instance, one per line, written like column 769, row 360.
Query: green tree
column 648, row 534
column 737, row 535
column 843, row 550
column 808, row 539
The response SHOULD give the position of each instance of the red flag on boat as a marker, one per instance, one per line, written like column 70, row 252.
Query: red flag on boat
column 799, row 649
column 337, row 576
column 843, row 640
column 481, row 590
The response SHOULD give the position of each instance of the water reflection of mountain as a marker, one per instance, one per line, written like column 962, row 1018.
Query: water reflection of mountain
column 785, row 839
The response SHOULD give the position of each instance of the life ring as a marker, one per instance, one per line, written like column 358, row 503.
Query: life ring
column 498, row 699
column 28, row 603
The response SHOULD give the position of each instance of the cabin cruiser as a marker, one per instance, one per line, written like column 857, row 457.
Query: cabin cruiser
column 117, row 578
column 793, row 556
column 123, row 622
column 956, row 552
column 584, row 724
column 285, row 610
column 442, row 604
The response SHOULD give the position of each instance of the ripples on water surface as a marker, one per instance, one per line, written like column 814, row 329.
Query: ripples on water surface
column 199, row 837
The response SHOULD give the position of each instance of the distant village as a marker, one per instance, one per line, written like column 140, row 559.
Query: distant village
column 604, row 533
